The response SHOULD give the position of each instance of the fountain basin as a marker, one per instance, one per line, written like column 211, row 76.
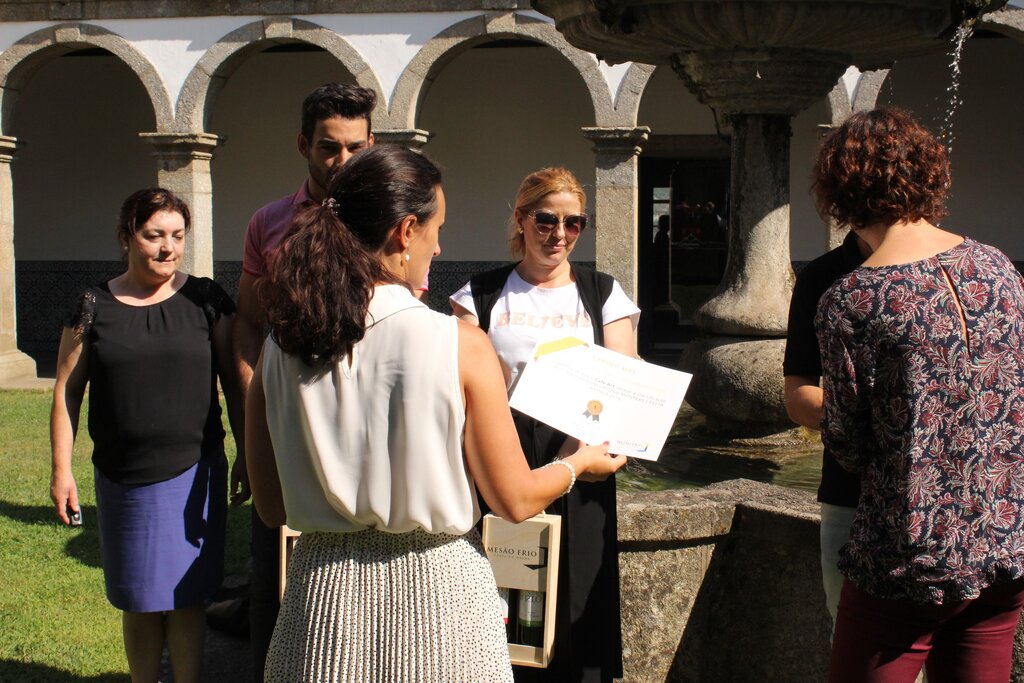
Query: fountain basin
column 865, row 33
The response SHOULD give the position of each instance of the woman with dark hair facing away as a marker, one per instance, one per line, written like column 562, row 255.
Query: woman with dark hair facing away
column 539, row 298
column 923, row 373
column 151, row 344
column 385, row 419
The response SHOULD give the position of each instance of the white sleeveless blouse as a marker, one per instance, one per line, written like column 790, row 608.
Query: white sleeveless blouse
column 375, row 443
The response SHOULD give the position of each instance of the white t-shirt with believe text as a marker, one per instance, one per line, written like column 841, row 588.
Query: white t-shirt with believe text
column 525, row 315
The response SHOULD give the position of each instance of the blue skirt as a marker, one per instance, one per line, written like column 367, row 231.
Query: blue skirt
column 162, row 544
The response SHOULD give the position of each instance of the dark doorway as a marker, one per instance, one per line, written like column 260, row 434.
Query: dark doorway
column 683, row 223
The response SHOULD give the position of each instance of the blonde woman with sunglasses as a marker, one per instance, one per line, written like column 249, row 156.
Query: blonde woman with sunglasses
column 545, row 296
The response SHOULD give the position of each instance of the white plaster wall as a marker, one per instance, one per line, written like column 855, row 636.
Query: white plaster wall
column 808, row 234
column 259, row 113
column 668, row 108
column 988, row 166
column 498, row 114
column 82, row 157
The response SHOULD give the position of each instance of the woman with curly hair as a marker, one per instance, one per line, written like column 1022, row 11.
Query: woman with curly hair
column 923, row 376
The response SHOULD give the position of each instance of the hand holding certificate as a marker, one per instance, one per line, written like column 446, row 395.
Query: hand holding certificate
column 598, row 395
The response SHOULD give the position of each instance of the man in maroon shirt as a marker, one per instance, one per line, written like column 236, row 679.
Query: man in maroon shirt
column 335, row 125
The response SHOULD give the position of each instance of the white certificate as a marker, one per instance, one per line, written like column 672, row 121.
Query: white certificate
column 598, row 395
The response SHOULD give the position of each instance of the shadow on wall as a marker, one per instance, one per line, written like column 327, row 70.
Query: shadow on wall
column 760, row 613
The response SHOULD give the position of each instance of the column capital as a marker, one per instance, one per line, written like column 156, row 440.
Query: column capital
column 413, row 138
column 194, row 145
column 623, row 139
column 9, row 146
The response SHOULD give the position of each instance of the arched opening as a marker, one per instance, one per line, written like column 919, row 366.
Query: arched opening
column 258, row 113
column 489, row 133
column 81, row 158
column 988, row 170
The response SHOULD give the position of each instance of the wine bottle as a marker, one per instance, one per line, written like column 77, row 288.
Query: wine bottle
column 505, row 596
column 531, row 618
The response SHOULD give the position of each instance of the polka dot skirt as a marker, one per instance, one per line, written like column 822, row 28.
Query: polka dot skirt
column 375, row 607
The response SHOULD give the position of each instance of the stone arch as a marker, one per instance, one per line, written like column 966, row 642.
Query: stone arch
column 195, row 104
column 460, row 37
column 631, row 92
column 1008, row 21
column 23, row 58
column 866, row 96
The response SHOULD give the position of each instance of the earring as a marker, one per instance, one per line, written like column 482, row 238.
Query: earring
column 407, row 257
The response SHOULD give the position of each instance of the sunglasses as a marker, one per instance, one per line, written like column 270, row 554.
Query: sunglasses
column 547, row 221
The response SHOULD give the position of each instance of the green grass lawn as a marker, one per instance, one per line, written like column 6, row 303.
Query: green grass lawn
column 55, row 621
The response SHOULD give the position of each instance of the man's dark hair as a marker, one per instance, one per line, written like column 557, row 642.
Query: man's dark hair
column 335, row 99
column 326, row 268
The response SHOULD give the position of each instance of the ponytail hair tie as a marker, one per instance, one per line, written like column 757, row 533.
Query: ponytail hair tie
column 330, row 203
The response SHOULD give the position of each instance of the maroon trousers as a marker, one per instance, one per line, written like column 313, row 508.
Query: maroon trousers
column 887, row 641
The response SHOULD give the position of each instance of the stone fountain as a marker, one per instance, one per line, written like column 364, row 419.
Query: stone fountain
column 759, row 63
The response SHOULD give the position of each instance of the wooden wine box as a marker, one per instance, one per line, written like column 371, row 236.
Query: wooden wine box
column 287, row 542
column 525, row 557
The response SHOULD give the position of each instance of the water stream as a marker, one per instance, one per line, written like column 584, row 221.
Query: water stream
column 953, row 102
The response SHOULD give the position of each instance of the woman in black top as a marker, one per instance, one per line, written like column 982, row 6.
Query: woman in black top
column 151, row 344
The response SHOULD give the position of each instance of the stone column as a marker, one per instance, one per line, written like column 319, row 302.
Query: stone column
column 737, row 363
column 183, row 167
column 753, row 297
column 616, row 201
column 413, row 138
column 13, row 363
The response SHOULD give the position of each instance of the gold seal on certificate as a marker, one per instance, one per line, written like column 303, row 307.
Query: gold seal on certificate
column 598, row 395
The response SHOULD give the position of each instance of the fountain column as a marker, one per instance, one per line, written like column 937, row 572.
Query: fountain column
column 616, row 201
column 737, row 362
column 183, row 167
column 13, row 363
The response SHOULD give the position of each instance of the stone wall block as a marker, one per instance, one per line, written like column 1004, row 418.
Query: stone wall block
column 500, row 22
column 280, row 6
column 67, row 34
column 738, row 599
column 661, row 518
column 66, row 9
column 654, row 628
column 277, row 28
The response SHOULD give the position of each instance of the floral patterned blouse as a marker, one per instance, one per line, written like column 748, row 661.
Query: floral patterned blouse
column 930, row 410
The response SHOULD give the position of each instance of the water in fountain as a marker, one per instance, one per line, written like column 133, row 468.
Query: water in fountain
column 960, row 36
column 693, row 457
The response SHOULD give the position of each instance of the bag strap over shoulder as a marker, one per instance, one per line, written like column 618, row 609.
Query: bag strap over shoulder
column 594, row 287
column 486, row 288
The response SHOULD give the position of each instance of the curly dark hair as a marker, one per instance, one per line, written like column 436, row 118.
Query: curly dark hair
column 881, row 166
column 336, row 99
column 140, row 206
column 325, row 270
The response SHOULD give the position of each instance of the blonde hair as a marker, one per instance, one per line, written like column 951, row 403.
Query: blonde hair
column 534, row 188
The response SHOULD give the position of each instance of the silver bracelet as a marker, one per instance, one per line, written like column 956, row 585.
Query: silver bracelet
column 572, row 473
